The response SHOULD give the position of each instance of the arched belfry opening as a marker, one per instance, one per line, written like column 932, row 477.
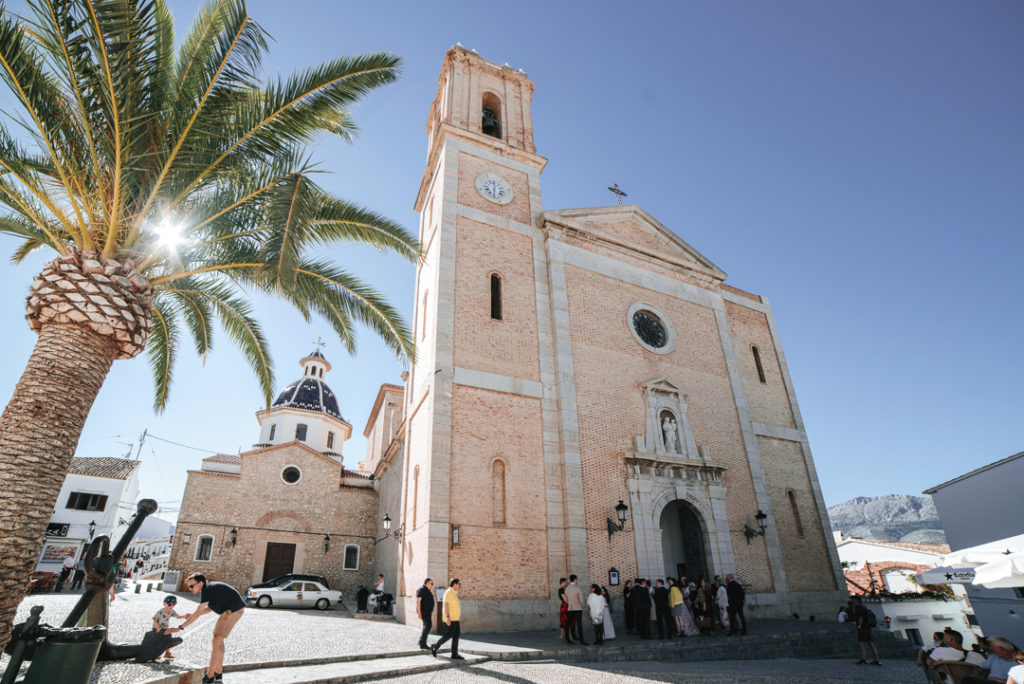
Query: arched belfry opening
column 490, row 117
column 684, row 541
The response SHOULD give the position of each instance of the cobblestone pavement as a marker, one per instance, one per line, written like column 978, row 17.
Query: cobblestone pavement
column 780, row 671
column 286, row 635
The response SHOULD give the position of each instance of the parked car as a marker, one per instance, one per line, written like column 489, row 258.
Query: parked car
column 296, row 594
column 290, row 577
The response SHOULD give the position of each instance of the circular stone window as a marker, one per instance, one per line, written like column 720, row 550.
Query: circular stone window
column 291, row 474
column 651, row 329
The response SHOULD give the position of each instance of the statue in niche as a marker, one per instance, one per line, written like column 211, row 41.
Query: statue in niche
column 671, row 432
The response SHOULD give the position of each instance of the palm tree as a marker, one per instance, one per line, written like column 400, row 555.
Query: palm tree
column 168, row 185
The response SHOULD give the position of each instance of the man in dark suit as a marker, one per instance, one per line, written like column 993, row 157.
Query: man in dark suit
column 662, row 609
column 642, row 608
column 734, row 590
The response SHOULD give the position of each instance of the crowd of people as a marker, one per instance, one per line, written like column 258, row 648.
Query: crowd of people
column 672, row 607
column 995, row 659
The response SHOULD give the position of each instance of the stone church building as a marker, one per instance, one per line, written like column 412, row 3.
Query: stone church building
column 570, row 359
column 567, row 360
column 288, row 505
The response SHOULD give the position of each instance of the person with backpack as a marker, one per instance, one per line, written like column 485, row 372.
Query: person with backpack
column 865, row 619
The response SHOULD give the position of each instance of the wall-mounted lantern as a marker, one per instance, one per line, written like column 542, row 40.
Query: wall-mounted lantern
column 234, row 536
column 762, row 522
column 92, row 530
column 327, row 543
column 620, row 513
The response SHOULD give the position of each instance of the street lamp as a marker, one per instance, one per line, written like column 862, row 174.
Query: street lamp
column 762, row 522
column 620, row 513
column 397, row 534
column 234, row 536
column 327, row 543
column 92, row 529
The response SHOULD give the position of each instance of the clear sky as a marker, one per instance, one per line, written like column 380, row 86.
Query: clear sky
column 860, row 163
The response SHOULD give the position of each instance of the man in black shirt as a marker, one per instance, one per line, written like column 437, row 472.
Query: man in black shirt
column 641, row 598
column 220, row 598
column 737, row 596
column 662, row 610
column 425, row 610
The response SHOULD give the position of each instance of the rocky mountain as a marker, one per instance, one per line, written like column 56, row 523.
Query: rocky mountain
column 893, row 517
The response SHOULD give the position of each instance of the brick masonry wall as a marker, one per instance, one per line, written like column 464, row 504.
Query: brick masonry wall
column 265, row 508
column 806, row 558
column 498, row 561
column 609, row 367
column 470, row 167
column 508, row 346
column 768, row 400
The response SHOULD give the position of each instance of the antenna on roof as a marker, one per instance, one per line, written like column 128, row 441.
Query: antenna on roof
column 142, row 440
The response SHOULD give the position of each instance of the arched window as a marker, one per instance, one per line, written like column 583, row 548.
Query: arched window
column 498, row 491
column 415, row 493
column 757, row 362
column 330, row 440
column 273, row 431
column 796, row 513
column 300, row 432
column 490, row 116
column 351, row 557
column 204, row 547
column 496, row 296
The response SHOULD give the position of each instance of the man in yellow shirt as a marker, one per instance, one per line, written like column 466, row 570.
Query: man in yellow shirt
column 452, row 610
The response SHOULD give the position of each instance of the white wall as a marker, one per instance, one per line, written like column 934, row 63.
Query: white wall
column 979, row 508
column 857, row 551
column 318, row 425
column 925, row 615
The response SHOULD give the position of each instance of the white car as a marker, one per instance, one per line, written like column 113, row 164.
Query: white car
column 297, row 594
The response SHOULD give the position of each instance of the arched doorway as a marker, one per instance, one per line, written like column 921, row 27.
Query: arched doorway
column 683, row 541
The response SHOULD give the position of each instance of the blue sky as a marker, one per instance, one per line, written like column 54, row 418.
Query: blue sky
column 860, row 163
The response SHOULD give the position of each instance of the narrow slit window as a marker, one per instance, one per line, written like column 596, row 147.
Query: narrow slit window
column 757, row 362
column 498, row 491
column 423, row 316
column 496, row 296
column 796, row 513
column 330, row 440
column 273, row 431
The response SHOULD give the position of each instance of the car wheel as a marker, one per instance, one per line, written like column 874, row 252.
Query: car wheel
column 264, row 602
column 323, row 604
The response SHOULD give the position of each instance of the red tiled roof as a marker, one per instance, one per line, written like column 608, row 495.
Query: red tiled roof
column 224, row 458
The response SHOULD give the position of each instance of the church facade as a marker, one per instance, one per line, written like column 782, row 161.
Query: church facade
column 569, row 360
column 287, row 505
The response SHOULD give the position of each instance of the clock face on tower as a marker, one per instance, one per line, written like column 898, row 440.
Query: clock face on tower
column 494, row 188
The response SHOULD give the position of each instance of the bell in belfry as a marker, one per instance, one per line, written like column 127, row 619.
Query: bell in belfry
column 490, row 124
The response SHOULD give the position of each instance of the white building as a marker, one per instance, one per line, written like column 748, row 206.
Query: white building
column 889, row 565
column 98, row 498
column 979, row 507
column 152, row 544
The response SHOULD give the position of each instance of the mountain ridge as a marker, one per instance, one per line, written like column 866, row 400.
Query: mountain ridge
column 891, row 517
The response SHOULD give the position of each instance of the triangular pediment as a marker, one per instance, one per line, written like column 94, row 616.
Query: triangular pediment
column 661, row 385
column 632, row 228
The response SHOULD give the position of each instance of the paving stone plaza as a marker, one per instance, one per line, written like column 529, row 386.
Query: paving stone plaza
column 333, row 646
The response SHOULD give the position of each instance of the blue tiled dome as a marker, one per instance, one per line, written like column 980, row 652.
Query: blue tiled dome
column 310, row 392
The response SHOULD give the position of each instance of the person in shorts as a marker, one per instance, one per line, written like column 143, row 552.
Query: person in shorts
column 219, row 598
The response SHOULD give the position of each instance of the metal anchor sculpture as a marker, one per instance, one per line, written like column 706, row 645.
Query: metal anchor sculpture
column 100, row 577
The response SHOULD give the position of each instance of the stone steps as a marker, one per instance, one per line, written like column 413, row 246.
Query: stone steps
column 349, row 671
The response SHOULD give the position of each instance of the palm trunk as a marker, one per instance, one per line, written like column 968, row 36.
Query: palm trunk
column 39, row 432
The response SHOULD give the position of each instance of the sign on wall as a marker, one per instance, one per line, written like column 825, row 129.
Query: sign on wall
column 56, row 553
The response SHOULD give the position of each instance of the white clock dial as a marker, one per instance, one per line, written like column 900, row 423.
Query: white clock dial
column 494, row 188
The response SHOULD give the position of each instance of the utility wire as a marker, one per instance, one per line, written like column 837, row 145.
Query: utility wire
column 187, row 446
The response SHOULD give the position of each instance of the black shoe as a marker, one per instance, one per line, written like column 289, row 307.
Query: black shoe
column 424, row 647
column 876, row 662
column 457, row 657
column 208, row 680
column 433, row 651
column 583, row 643
column 862, row 662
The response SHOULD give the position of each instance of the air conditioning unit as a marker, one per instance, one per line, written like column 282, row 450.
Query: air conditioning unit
column 172, row 578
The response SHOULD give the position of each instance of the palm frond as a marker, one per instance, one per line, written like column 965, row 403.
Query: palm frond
column 338, row 221
column 161, row 348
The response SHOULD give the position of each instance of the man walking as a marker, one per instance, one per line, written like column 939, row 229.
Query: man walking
column 76, row 582
column 864, row 618
column 425, row 610
column 642, row 608
column 452, row 611
column 736, row 595
column 219, row 598
column 662, row 609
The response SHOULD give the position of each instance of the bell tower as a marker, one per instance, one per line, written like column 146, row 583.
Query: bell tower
column 481, row 498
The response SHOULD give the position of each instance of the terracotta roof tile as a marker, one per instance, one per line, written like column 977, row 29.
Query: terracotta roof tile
column 103, row 466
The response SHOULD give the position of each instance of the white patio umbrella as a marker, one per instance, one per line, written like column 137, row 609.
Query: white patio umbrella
column 945, row 574
column 974, row 556
column 1005, row 573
